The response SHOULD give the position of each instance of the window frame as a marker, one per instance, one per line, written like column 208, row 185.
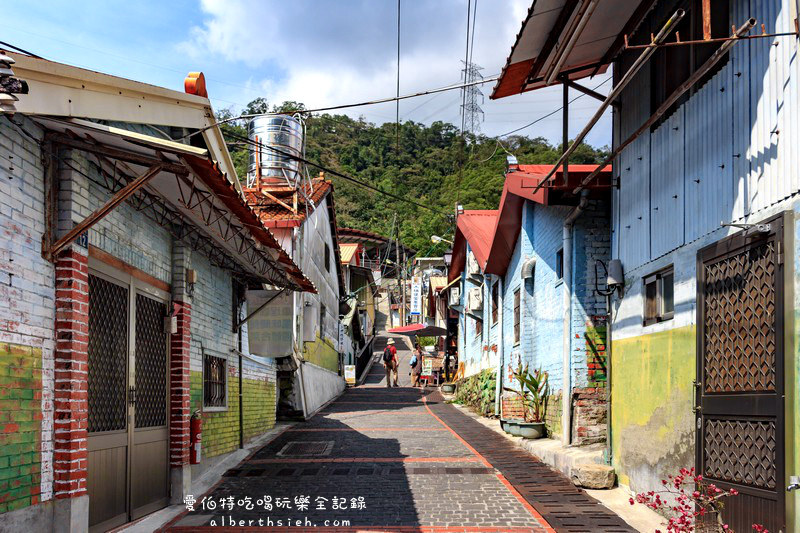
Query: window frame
column 560, row 264
column 478, row 327
column 657, row 314
column 322, row 311
column 517, row 316
column 327, row 258
column 215, row 408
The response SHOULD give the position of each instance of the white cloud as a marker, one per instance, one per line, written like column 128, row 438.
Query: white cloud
column 326, row 53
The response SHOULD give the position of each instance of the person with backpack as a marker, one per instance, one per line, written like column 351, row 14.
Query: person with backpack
column 390, row 363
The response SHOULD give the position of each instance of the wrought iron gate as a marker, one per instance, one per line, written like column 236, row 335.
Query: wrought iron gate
column 128, row 428
column 740, row 340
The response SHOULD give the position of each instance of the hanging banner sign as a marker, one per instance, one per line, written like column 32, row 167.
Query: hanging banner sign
column 416, row 295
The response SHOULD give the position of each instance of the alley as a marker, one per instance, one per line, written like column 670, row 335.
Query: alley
column 396, row 459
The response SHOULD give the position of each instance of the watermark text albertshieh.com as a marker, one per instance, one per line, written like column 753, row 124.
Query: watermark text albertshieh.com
column 277, row 503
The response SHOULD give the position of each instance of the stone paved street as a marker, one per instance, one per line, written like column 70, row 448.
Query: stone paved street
column 380, row 459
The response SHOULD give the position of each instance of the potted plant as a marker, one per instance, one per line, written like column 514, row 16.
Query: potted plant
column 448, row 388
column 533, row 391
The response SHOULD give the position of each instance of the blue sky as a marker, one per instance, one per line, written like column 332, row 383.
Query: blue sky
column 320, row 52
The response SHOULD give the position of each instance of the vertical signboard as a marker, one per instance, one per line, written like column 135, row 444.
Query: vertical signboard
column 416, row 295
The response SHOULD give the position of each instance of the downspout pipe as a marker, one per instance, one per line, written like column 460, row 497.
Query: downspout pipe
column 500, row 343
column 566, row 395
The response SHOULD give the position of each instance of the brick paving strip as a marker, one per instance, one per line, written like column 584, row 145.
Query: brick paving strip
column 563, row 505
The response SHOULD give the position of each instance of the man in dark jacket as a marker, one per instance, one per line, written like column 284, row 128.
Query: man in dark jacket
column 390, row 363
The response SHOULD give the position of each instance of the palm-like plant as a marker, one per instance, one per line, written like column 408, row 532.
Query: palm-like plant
column 533, row 389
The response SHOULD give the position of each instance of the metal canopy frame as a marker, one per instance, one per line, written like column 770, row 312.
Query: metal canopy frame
column 195, row 216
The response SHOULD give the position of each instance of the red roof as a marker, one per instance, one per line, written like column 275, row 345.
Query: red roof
column 475, row 227
column 492, row 235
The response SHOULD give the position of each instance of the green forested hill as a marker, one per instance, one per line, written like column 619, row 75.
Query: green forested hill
column 433, row 166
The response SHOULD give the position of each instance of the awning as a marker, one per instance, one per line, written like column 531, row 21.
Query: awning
column 188, row 194
column 419, row 330
column 567, row 38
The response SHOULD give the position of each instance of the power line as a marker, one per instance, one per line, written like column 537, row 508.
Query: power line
column 550, row 114
column 345, row 106
column 397, row 101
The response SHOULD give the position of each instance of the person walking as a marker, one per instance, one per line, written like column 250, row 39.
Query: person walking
column 390, row 363
column 416, row 366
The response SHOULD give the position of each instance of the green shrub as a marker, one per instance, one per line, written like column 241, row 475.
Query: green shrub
column 478, row 392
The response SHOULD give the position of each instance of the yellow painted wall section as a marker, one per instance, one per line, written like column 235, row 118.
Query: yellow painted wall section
column 322, row 353
column 651, row 406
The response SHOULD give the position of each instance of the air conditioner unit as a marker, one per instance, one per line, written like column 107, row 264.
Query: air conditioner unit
column 455, row 296
column 475, row 300
column 473, row 269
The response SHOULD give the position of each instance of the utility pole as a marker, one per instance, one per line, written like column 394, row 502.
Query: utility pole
column 397, row 266
column 403, row 321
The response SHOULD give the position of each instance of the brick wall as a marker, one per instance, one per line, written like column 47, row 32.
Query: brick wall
column 20, row 425
column 221, row 428
column 27, row 291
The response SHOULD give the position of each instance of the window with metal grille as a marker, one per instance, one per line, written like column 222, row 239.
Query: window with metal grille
column 517, row 315
column 495, row 299
column 215, row 382
column 659, row 296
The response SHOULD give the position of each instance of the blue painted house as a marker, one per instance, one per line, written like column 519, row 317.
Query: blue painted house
column 705, row 206
column 515, row 285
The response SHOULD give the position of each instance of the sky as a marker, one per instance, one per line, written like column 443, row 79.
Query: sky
column 319, row 52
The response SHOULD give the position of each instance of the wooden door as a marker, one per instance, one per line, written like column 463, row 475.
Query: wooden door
column 740, row 369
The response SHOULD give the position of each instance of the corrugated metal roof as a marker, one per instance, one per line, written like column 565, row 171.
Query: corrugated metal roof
column 544, row 32
column 348, row 251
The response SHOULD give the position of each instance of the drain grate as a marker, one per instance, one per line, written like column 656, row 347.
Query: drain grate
column 306, row 449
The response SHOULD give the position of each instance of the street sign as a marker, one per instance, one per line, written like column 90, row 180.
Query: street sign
column 427, row 367
column 416, row 295
column 350, row 374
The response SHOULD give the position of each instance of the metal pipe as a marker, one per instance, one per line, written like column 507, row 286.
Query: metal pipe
column 581, row 19
column 677, row 93
column 609, row 317
column 565, row 131
column 617, row 90
column 566, row 395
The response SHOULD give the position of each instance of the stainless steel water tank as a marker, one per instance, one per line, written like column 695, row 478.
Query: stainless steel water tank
column 283, row 132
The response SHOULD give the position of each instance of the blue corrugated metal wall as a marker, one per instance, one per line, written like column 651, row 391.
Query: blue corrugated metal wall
column 728, row 152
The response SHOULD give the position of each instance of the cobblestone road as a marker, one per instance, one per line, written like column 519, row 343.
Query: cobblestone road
column 376, row 459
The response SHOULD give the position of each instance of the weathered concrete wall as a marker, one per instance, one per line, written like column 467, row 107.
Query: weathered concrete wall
column 321, row 386
column 652, row 399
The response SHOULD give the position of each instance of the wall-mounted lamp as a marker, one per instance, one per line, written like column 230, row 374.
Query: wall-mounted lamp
column 191, row 279
column 616, row 277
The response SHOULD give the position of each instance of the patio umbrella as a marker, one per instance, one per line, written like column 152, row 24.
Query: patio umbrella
column 419, row 330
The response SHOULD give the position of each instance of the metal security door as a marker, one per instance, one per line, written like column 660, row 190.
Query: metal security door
column 127, row 471
column 149, row 475
column 740, row 339
column 107, row 467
